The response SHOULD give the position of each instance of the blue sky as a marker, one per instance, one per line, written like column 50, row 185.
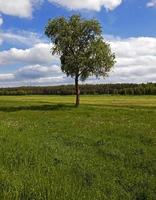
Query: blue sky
column 128, row 25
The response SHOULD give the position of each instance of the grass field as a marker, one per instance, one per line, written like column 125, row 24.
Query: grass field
column 103, row 150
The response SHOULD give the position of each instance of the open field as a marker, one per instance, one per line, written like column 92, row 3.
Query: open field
column 103, row 150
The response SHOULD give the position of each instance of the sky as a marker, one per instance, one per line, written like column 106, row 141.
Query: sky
column 25, row 59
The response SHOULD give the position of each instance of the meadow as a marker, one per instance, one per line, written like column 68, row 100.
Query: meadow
column 103, row 150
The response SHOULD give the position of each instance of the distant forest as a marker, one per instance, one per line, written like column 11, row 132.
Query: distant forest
column 113, row 89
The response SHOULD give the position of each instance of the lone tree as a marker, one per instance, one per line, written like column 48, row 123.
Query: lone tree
column 81, row 47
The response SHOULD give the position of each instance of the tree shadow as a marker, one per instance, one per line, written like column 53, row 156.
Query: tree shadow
column 46, row 107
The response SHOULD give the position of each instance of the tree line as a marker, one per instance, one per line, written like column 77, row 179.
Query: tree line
column 99, row 89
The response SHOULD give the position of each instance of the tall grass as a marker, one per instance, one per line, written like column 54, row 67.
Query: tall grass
column 103, row 150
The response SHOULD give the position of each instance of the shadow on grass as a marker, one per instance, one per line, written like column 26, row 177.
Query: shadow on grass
column 36, row 108
column 59, row 107
column 113, row 106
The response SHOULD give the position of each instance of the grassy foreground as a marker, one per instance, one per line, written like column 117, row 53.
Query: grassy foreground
column 103, row 150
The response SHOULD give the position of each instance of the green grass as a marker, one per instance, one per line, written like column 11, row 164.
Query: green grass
column 103, row 150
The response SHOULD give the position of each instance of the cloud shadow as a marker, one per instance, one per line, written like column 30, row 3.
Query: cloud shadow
column 52, row 107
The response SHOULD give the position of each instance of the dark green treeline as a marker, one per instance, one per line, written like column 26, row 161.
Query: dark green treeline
column 114, row 89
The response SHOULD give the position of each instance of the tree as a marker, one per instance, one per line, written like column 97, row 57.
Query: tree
column 81, row 47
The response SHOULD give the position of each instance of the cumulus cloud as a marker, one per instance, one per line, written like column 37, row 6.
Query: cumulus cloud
column 1, row 20
column 136, row 63
column 136, row 59
column 151, row 3
column 20, row 8
column 6, row 77
column 34, row 75
column 88, row 4
column 37, row 71
column 20, row 37
column 38, row 54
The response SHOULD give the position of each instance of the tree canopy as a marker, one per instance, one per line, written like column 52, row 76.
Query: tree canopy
column 81, row 46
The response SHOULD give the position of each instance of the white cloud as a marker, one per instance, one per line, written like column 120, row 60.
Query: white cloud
column 34, row 75
column 38, row 54
column 136, row 59
column 6, row 77
column 20, row 8
column 37, row 71
column 151, row 3
column 136, row 62
column 20, row 37
column 24, row 8
column 1, row 20
column 88, row 4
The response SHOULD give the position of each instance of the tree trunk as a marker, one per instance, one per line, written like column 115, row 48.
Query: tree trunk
column 77, row 90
